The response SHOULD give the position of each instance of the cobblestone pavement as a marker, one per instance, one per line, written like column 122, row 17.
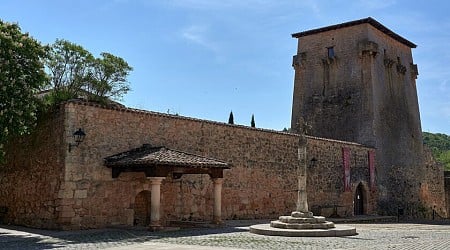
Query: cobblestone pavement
column 234, row 235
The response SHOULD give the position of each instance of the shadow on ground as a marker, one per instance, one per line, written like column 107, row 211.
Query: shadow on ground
column 17, row 237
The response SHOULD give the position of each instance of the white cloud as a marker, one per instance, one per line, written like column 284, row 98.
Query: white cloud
column 197, row 34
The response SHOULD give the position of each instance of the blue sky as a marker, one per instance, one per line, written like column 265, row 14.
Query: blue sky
column 204, row 58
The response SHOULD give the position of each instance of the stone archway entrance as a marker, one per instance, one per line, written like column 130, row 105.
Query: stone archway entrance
column 358, row 202
column 142, row 211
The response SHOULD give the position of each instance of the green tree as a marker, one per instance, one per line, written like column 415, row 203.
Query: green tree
column 108, row 78
column 252, row 122
column 231, row 118
column 68, row 66
column 74, row 72
column 287, row 130
column 440, row 147
column 444, row 158
column 21, row 76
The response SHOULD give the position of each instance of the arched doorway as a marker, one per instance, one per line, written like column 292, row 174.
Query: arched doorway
column 358, row 202
column 142, row 208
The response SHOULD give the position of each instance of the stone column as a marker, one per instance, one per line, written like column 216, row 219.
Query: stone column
column 155, row 204
column 302, row 198
column 217, row 213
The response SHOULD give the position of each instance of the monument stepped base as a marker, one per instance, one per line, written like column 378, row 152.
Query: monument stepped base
column 302, row 224
column 266, row 229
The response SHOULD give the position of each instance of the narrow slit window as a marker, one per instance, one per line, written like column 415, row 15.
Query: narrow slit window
column 330, row 52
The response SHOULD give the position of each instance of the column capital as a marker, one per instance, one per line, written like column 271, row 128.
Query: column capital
column 156, row 180
column 217, row 180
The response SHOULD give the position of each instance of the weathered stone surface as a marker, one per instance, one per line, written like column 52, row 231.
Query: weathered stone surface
column 31, row 178
column 80, row 194
column 298, row 214
column 447, row 190
column 44, row 185
column 365, row 92
column 339, row 230
column 290, row 219
column 261, row 160
column 325, row 180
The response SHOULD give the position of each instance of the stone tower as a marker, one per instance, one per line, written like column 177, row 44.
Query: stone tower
column 355, row 81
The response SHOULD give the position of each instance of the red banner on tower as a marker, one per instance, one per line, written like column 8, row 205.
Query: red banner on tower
column 371, row 156
column 346, row 164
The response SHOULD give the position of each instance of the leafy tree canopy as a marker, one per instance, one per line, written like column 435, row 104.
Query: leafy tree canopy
column 68, row 67
column 65, row 69
column 74, row 72
column 108, row 76
column 440, row 147
column 21, row 76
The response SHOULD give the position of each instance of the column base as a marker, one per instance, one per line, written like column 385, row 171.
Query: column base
column 217, row 221
column 155, row 228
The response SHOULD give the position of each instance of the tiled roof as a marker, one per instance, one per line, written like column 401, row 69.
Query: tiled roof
column 368, row 20
column 157, row 156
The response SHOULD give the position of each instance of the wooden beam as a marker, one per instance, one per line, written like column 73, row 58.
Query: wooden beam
column 164, row 171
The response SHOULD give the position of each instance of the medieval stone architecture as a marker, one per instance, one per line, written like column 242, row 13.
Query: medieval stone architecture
column 355, row 81
column 110, row 178
column 93, row 166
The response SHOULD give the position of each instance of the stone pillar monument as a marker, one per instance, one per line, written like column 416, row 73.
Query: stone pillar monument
column 302, row 222
column 302, row 198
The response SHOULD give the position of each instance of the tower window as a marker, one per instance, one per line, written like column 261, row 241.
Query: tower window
column 330, row 52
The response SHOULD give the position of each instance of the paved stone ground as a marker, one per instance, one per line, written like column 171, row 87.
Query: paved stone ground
column 234, row 235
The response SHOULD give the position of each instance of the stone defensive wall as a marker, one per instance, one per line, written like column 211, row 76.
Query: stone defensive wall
column 33, row 174
column 45, row 185
column 447, row 190
column 259, row 184
column 433, row 189
column 326, row 192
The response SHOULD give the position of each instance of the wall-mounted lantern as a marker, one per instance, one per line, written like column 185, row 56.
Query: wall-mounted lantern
column 78, row 137
column 313, row 162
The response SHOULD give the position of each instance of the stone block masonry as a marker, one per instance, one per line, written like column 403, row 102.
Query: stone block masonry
column 326, row 192
column 81, row 193
column 364, row 91
column 353, row 81
column 447, row 191
column 31, row 179
column 432, row 187
column 260, row 183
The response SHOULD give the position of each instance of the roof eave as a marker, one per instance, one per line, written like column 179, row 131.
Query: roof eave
column 368, row 20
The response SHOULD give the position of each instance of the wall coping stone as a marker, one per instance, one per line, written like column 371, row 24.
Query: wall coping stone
column 154, row 113
column 337, row 141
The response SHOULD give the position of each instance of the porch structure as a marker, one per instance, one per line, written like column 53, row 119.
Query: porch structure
column 160, row 162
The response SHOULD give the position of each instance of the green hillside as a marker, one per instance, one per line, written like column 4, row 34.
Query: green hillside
column 440, row 146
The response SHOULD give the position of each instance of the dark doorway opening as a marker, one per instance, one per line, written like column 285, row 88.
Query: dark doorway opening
column 142, row 209
column 359, row 200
